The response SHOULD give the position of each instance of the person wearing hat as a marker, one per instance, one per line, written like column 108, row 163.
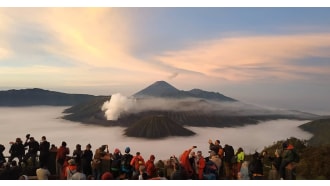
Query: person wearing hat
column 115, row 164
column 125, row 163
column 32, row 151
column 70, row 169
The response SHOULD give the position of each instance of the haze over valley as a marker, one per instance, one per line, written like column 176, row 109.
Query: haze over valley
column 45, row 120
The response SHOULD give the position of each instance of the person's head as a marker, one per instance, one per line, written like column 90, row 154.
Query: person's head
column 72, row 162
column 138, row 153
column 103, row 147
column 285, row 145
column 127, row 150
column 245, row 164
column 217, row 142
column 192, row 154
column 240, row 149
column 78, row 147
column 116, row 151
column 107, row 176
column 23, row 177
column 63, row 143
column 144, row 176
column 88, row 146
column 199, row 153
column 14, row 163
column 152, row 157
column 31, row 138
column 18, row 140
column 43, row 138
column 212, row 153
column 255, row 155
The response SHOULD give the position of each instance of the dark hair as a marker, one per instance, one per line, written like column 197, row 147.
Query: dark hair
column 63, row 143
column 144, row 176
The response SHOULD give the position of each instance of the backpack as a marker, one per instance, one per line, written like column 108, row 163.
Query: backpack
column 210, row 167
column 229, row 153
column 296, row 157
column 125, row 160
column 115, row 163
column 210, row 171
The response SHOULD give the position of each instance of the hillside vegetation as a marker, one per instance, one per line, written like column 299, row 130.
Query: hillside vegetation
column 320, row 130
column 314, row 160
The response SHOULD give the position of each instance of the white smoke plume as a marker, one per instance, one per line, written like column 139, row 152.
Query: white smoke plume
column 116, row 105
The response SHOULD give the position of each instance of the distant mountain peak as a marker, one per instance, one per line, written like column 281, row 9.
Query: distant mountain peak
column 162, row 89
column 158, row 89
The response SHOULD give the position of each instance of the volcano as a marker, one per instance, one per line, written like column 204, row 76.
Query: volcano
column 158, row 126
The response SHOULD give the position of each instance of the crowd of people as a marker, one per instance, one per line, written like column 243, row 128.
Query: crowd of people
column 43, row 161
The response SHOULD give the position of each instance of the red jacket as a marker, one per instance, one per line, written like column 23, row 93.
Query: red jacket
column 151, row 169
column 184, row 160
column 137, row 161
column 201, row 166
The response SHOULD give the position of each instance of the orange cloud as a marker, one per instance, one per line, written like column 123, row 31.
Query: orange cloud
column 91, row 38
column 252, row 57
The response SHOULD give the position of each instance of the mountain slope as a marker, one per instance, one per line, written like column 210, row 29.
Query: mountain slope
column 198, row 93
column 156, row 126
column 36, row 96
column 320, row 130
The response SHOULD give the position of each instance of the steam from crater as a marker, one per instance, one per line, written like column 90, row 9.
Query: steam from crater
column 116, row 105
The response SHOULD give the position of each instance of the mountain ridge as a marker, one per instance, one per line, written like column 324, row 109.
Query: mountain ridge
column 165, row 90
column 38, row 96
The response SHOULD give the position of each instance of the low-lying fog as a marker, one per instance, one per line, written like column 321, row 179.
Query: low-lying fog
column 39, row 121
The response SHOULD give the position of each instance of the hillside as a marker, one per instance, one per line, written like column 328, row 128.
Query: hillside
column 320, row 129
column 36, row 96
column 153, row 127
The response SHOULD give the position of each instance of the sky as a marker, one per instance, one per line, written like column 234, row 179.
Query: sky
column 274, row 57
